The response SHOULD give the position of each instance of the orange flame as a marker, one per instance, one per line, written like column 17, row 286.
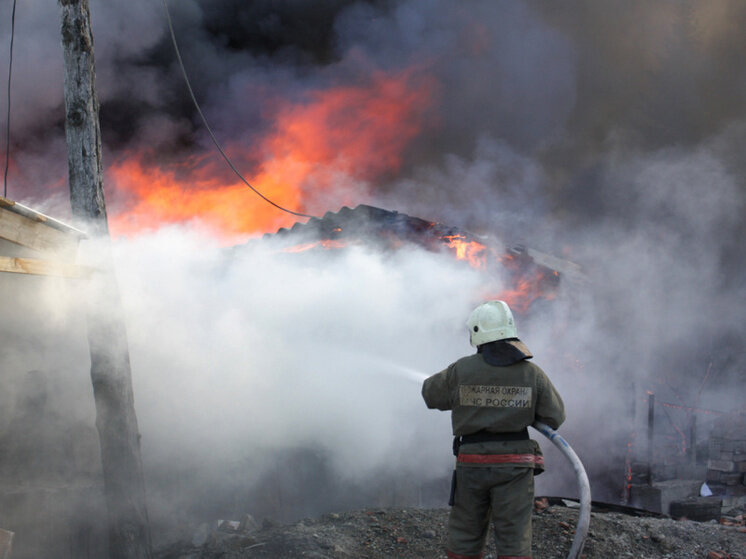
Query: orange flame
column 473, row 252
column 530, row 282
column 525, row 293
column 338, row 137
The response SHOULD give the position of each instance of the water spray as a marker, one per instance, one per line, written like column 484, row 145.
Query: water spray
column 584, row 518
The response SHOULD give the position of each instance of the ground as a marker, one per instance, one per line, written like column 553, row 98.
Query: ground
column 420, row 533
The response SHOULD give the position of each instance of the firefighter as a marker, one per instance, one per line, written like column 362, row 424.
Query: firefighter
column 493, row 395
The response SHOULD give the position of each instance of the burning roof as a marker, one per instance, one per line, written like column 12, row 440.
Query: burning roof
column 371, row 225
column 526, row 275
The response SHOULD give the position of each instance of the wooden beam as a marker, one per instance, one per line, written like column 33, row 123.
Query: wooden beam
column 36, row 235
column 37, row 267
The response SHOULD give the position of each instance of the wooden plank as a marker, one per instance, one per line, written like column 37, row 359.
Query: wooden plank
column 38, row 216
column 38, row 267
column 6, row 544
column 36, row 235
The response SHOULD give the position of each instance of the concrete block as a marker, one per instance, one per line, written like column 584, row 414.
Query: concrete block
column 645, row 496
column 721, row 465
column 730, row 503
column 676, row 490
column 700, row 509
column 731, row 478
column 659, row 496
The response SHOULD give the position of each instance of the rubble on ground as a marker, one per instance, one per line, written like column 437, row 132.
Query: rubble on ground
column 421, row 533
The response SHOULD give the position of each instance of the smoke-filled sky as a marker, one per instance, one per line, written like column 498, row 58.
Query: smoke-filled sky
column 608, row 133
column 426, row 106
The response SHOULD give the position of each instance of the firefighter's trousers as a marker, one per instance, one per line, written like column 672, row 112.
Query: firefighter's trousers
column 501, row 494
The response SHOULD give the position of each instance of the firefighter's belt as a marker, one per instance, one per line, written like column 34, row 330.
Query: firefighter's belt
column 527, row 459
column 486, row 436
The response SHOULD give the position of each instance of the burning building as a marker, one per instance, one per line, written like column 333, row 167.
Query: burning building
column 607, row 136
column 528, row 275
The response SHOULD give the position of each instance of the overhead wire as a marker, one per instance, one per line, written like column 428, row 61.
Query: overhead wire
column 7, row 127
column 207, row 126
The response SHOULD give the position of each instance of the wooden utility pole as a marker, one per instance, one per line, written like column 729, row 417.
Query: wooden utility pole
column 129, row 532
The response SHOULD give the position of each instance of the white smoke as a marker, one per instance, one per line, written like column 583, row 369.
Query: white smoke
column 243, row 356
column 278, row 349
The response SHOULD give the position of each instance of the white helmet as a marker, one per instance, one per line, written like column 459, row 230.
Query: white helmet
column 490, row 322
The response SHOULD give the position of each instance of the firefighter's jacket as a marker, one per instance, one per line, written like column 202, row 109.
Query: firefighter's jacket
column 489, row 398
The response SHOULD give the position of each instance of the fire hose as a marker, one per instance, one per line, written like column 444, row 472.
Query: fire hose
column 584, row 518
